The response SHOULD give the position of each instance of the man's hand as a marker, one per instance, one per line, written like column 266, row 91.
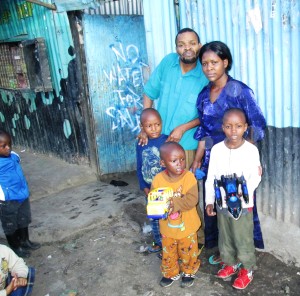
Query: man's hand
column 176, row 134
column 143, row 138
column 210, row 210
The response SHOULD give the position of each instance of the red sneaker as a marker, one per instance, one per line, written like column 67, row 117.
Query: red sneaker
column 226, row 271
column 243, row 279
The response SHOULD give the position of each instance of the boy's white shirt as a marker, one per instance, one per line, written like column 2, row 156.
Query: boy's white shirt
column 241, row 161
column 10, row 262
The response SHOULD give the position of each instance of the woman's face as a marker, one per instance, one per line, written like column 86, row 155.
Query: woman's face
column 213, row 66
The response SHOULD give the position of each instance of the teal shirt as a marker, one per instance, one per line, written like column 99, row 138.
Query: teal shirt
column 176, row 96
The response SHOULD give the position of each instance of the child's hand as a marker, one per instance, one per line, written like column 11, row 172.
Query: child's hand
column 21, row 282
column 146, row 191
column 178, row 192
column 210, row 210
column 260, row 171
column 11, row 286
column 170, row 206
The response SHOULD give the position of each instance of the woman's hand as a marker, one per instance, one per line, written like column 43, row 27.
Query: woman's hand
column 195, row 165
column 198, row 157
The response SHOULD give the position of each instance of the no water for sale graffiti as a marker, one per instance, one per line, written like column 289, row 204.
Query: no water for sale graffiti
column 125, row 78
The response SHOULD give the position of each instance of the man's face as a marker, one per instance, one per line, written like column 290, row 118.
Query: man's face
column 188, row 47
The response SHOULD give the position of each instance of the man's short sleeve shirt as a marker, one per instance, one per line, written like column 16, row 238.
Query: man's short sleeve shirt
column 176, row 96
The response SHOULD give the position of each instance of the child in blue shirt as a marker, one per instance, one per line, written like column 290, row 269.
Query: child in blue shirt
column 148, row 161
column 14, row 200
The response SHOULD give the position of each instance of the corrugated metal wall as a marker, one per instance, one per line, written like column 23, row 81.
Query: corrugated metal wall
column 265, row 48
column 121, row 7
column 159, row 19
column 49, row 122
column 102, row 7
column 264, row 37
column 160, row 26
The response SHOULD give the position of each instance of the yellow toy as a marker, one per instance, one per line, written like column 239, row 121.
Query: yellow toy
column 158, row 205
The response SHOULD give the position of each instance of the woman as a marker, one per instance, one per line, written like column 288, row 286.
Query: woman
column 222, row 93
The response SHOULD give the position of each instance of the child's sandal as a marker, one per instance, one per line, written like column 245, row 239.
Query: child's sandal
column 214, row 260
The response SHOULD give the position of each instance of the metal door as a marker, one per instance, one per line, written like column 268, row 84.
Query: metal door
column 115, row 49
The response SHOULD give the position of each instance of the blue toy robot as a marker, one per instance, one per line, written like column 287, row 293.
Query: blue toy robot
column 231, row 184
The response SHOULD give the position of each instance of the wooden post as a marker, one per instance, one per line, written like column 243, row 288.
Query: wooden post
column 50, row 6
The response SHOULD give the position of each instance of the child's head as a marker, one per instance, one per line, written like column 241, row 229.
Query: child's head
column 172, row 157
column 5, row 143
column 234, row 126
column 151, row 123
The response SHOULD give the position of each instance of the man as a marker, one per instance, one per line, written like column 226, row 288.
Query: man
column 176, row 82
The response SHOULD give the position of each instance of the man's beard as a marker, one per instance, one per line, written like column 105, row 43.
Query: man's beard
column 189, row 61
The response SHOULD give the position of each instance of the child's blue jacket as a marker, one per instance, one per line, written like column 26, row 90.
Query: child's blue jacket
column 13, row 185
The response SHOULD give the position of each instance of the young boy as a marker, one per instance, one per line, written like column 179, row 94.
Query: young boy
column 148, row 162
column 179, row 230
column 14, row 199
column 230, row 161
column 16, row 278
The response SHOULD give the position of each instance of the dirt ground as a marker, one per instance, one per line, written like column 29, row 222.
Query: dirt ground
column 92, row 232
column 105, row 260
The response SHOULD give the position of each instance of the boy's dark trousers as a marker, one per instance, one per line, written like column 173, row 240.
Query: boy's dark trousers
column 20, row 243
column 15, row 244
column 15, row 217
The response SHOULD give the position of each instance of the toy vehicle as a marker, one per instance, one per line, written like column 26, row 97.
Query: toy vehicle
column 230, row 184
column 157, row 207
